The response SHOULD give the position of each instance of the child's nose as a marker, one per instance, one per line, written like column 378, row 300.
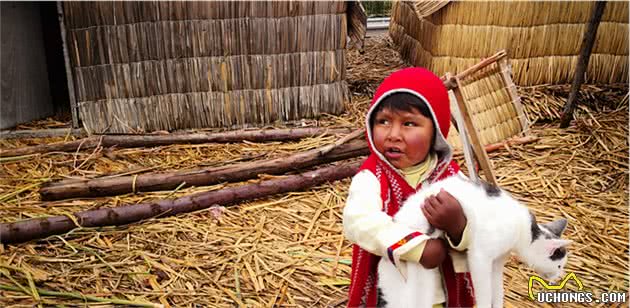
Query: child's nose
column 394, row 133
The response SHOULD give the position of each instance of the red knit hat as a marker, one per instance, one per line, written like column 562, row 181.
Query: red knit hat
column 422, row 83
column 430, row 89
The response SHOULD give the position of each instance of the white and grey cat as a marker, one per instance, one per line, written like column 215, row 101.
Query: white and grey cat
column 498, row 225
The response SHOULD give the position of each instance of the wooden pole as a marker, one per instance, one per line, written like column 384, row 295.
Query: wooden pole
column 506, row 73
column 475, row 141
column 132, row 141
column 585, row 53
column 118, row 185
column 64, row 42
column 26, row 230
column 483, row 63
column 42, row 133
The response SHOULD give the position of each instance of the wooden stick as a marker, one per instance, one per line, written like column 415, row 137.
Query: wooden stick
column 506, row 76
column 130, row 141
column 26, row 230
column 489, row 148
column 582, row 64
column 42, row 133
column 449, row 83
column 346, row 138
column 485, row 62
column 480, row 153
column 202, row 177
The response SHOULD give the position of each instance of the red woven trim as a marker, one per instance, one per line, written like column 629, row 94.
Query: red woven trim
column 403, row 241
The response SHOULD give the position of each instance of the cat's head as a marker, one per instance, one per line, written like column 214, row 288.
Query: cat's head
column 547, row 252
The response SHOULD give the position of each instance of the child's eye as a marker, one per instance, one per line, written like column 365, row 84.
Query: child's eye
column 410, row 124
column 382, row 121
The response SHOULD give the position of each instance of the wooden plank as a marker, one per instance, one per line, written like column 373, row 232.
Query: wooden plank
column 475, row 141
column 504, row 68
column 42, row 133
column 70, row 77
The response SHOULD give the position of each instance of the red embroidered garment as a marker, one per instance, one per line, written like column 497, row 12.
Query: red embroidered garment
column 394, row 188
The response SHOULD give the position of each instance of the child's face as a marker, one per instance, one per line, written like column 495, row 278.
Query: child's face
column 403, row 137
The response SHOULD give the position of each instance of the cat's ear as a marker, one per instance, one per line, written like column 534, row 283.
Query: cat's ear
column 556, row 227
column 554, row 244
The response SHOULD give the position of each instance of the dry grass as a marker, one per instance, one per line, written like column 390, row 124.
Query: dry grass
column 542, row 37
column 289, row 250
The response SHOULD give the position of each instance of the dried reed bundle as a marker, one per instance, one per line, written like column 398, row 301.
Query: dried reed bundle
column 542, row 38
column 151, row 66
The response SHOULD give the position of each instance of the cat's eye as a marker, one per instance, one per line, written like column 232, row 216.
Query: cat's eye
column 558, row 254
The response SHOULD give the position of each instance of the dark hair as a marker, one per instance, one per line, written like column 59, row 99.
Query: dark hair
column 402, row 102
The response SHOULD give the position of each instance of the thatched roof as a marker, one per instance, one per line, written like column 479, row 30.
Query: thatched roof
column 145, row 66
column 542, row 38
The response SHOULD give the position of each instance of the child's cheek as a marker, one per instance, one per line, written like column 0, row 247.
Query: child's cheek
column 420, row 143
column 378, row 139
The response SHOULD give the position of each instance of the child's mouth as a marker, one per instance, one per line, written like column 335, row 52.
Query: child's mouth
column 393, row 153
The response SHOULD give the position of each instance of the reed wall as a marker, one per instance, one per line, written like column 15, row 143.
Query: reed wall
column 542, row 38
column 146, row 66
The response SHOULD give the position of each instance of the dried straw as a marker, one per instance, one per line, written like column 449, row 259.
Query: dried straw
column 542, row 38
column 150, row 66
column 289, row 250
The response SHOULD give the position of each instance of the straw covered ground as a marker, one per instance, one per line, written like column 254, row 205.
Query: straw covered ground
column 289, row 250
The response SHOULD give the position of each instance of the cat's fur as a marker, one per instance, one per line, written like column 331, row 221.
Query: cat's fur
column 498, row 225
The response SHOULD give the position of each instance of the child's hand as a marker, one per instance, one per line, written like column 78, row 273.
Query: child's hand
column 444, row 212
column 434, row 253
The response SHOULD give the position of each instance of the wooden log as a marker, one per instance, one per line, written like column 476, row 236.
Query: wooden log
column 357, row 133
column 232, row 173
column 475, row 140
column 129, row 141
column 489, row 148
column 41, row 227
column 585, row 53
column 238, row 172
column 42, row 133
column 30, row 229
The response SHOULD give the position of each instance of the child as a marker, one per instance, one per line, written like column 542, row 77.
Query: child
column 407, row 125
